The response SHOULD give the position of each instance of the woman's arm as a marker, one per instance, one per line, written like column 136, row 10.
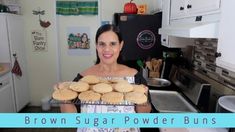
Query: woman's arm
column 68, row 108
column 145, row 108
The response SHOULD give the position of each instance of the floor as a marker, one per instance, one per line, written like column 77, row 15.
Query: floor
column 31, row 109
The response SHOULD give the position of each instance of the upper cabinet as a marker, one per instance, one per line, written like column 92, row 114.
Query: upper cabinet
column 188, row 8
column 189, row 19
column 226, row 39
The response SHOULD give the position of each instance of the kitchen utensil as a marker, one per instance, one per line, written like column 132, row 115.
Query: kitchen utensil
column 140, row 64
column 149, row 65
column 226, row 104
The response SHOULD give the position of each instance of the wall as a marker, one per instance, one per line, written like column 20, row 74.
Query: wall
column 109, row 7
column 42, row 66
column 47, row 68
column 70, row 65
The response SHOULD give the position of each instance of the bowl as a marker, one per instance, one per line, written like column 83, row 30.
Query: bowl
column 158, row 82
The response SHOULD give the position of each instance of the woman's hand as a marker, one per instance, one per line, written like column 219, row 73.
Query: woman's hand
column 68, row 108
column 145, row 108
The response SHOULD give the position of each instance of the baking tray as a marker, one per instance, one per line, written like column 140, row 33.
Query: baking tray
column 170, row 101
column 79, row 102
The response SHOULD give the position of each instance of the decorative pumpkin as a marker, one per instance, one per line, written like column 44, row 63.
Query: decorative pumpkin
column 130, row 8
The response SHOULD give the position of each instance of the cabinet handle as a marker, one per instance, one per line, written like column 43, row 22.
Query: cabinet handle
column 217, row 54
column 164, row 40
column 1, row 84
column 181, row 8
column 189, row 6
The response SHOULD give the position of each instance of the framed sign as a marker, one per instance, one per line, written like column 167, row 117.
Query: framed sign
column 78, row 41
column 39, row 40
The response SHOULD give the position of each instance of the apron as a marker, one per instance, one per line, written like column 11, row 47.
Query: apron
column 109, row 109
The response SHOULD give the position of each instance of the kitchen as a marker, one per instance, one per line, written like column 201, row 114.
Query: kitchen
column 56, row 60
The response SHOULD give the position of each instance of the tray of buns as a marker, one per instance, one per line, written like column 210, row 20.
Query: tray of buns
column 96, row 91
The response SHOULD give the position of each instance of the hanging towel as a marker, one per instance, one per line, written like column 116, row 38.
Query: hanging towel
column 16, row 68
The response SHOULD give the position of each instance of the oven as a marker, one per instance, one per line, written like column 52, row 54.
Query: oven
column 188, row 93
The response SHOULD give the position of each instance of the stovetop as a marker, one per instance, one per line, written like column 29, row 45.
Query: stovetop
column 186, row 88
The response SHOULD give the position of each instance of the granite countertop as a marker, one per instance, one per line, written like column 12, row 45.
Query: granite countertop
column 4, row 68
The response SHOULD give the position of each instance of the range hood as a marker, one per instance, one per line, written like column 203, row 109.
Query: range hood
column 195, row 30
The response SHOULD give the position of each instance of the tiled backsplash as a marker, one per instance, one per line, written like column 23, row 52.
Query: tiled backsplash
column 204, row 60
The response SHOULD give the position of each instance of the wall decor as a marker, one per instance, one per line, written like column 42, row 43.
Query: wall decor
column 44, row 24
column 78, row 40
column 77, row 7
column 39, row 40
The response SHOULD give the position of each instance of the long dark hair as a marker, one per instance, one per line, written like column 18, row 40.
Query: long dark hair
column 105, row 28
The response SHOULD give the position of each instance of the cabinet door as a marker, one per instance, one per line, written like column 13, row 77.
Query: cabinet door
column 177, row 8
column 17, row 46
column 200, row 6
column 6, row 94
column 226, row 39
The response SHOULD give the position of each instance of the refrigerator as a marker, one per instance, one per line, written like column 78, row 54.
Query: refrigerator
column 140, row 35
column 12, row 48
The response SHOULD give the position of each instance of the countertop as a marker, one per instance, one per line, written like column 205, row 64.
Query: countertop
column 4, row 68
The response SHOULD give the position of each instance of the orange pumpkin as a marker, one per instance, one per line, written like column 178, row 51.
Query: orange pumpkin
column 130, row 8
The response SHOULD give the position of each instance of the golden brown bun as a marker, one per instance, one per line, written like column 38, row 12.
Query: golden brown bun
column 112, row 97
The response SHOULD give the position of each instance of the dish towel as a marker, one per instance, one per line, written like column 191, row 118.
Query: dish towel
column 16, row 68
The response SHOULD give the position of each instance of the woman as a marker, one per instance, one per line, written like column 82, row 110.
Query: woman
column 109, row 43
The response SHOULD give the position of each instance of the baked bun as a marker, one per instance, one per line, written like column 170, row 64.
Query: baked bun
column 64, row 94
column 116, row 80
column 136, row 97
column 79, row 86
column 63, row 85
column 102, row 88
column 90, row 79
column 112, row 97
column 89, row 96
column 139, row 88
column 123, row 87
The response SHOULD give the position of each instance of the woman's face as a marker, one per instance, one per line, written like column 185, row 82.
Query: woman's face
column 108, row 47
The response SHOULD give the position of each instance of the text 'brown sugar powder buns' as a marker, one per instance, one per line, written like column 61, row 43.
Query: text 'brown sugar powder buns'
column 91, row 79
column 64, row 94
column 112, row 97
column 89, row 96
column 79, row 86
column 136, row 97
column 102, row 88
column 123, row 87
column 139, row 88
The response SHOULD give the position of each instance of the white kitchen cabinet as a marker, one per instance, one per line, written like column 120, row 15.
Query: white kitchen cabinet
column 170, row 41
column 177, row 8
column 189, row 8
column 7, row 101
column 226, row 38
